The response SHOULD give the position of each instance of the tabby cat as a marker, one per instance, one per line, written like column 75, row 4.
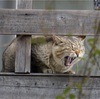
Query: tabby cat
column 54, row 54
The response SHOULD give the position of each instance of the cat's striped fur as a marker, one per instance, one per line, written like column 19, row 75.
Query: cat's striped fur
column 57, row 55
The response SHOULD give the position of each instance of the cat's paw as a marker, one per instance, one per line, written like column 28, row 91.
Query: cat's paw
column 70, row 72
column 50, row 71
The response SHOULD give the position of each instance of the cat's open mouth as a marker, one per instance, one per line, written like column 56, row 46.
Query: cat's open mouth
column 68, row 60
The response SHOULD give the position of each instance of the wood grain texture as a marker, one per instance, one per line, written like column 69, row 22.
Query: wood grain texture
column 23, row 51
column 28, row 54
column 46, row 87
column 63, row 22
column 23, row 55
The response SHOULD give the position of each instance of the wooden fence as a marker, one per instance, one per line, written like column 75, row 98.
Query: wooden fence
column 27, row 21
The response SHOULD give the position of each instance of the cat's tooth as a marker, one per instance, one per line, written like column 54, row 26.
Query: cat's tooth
column 71, row 59
column 67, row 61
column 68, row 58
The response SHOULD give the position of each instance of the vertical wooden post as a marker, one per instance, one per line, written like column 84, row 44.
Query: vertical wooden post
column 23, row 50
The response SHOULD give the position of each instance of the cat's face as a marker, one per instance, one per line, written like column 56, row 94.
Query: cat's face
column 68, row 50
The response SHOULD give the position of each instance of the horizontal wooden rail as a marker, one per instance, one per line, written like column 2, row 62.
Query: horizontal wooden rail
column 63, row 22
column 46, row 87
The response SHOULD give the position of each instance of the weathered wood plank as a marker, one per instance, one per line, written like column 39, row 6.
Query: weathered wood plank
column 62, row 22
column 23, row 52
column 28, row 54
column 45, row 87
column 20, row 55
column 43, row 93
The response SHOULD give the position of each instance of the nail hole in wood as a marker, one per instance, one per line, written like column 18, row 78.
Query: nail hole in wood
column 53, row 84
column 26, row 14
column 66, row 85
column 35, row 83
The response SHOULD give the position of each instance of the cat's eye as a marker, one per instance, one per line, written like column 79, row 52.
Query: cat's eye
column 61, row 43
column 73, row 47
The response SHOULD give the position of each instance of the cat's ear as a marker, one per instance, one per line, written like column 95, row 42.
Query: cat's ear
column 56, row 39
column 82, row 37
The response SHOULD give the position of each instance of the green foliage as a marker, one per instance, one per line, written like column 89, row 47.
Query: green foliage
column 91, row 41
column 66, row 91
column 95, row 50
column 39, row 40
column 71, row 96
column 79, row 86
column 65, row 94
column 60, row 97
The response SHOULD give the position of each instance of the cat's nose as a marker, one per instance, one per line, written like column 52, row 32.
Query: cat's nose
column 77, row 52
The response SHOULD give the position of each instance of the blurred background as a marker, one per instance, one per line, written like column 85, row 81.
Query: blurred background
column 57, row 4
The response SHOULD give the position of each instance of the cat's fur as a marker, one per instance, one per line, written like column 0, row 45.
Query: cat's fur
column 57, row 55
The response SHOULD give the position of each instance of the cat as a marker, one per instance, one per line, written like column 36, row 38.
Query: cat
column 56, row 54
